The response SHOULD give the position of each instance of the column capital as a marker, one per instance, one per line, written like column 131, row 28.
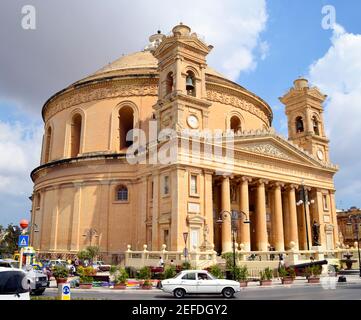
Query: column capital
column 291, row 187
column 277, row 184
column 262, row 181
column 245, row 178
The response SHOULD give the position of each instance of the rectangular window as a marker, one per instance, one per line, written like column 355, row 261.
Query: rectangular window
column 166, row 185
column 194, row 184
column 194, row 238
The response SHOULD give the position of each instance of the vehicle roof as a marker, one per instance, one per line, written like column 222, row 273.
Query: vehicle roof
column 8, row 260
column 3, row 269
column 188, row 271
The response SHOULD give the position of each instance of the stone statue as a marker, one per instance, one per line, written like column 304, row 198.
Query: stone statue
column 315, row 234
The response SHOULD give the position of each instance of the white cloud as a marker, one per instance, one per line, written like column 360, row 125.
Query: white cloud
column 20, row 147
column 338, row 74
column 35, row 64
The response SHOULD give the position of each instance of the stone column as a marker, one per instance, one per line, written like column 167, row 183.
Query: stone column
column 106, row 197
column 226, row 209
column 261, row 219
column 277, row 222
column 292, row 219
column 244, row 229
column 53, row 246
column 208, row 205
column 334, row 218
column 286, row 222
column 317, row 214
column 155, row 213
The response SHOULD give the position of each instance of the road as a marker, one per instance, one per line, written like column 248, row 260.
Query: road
column 315, row 292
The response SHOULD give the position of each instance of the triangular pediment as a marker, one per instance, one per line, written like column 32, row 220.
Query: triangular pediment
column 276, row 147
column 190, row 42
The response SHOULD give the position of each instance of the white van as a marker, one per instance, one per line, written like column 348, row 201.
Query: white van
column 13, row 284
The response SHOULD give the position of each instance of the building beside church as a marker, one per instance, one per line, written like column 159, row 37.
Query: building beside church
column 349, row 223
column 87, row 193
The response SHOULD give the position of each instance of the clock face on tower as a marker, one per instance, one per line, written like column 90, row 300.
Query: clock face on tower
column 320, row 155
column 192, row 121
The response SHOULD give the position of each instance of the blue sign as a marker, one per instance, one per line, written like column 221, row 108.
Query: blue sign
column 23, row 241
column 66, row 290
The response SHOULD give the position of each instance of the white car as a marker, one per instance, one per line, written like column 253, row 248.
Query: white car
column 13, row 284
column 199, row 282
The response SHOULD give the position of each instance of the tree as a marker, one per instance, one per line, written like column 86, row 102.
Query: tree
column 9, row 239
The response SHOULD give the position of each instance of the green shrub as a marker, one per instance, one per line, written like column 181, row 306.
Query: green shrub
column 241, row 273
column 316, row 270
column 266, row 274
column 144, row 274
column 85, row 274
column 122, row 276
column 216, row 271
column 228, row 256
column 292, row 272
column 169, row 272
column 60, row 272
column 186, row 265
column 282, row 272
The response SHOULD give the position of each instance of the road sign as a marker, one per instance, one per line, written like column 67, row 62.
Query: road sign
column 23, row 241
column 64, row 291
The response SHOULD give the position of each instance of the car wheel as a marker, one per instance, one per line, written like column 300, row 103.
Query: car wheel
column 38, row 292
column 228, row 293
column 179, row 293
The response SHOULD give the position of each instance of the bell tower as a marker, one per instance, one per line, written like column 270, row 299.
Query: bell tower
column 182, row 99
column 304, row 111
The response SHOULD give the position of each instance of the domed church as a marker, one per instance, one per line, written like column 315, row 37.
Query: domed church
column 87, row 192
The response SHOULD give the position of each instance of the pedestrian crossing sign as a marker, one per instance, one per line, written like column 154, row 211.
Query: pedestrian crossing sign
column 23, row 241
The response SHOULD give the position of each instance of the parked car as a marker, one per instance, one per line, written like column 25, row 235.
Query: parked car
column 199, row 282
column 13, row 284
column 101, row 266
column 37, row 280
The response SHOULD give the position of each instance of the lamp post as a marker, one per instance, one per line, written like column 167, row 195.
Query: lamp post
column 305, row 203
column 234, row 215
column 90, row 233
column 185, row 237
column 357, row 219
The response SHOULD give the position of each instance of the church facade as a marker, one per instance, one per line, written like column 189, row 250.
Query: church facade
column 86, row 191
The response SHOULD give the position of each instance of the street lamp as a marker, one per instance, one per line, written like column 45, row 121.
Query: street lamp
column 306, row 203
column 349, row 223
column 90, row 233
column 234, row 215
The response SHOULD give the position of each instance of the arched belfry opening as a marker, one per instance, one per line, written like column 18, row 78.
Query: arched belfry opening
column 47, row 145
column 169, row 83
column 191, row 84
column 316, row 127
column 235, row 124
column 299, row 125
column 126, row 123
column 76, row 127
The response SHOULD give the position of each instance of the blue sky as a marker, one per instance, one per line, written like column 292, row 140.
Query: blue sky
column 271, row 43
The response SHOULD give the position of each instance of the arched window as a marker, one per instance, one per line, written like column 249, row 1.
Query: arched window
column 47, row 145
column 126, row 123
column 76, row 126
column 191, row 84
column 169, row 83
column 315, row 124
column 122, row 193
column 235, row 124
column 299, row 125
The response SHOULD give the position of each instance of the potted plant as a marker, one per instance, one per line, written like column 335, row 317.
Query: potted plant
column 86, row 277
column 216, row 271
column 60, row 274
column 313, row 274
column 266, row 277
column 287, row 276
column 145, row 276
column 241, row 275
column 169, row 272
column 121, row 279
